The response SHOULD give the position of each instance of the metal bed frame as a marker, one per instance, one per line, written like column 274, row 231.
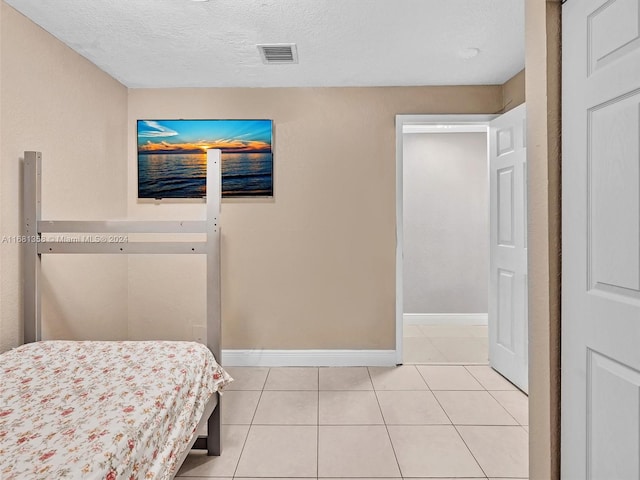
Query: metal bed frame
column 34, row 246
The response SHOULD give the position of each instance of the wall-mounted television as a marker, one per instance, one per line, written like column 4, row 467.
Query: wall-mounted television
column 172, row 157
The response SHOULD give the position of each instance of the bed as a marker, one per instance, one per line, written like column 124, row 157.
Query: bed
column 106, row 410
column 109, row 410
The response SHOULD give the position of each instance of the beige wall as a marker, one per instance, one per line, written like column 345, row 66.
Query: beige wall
column 543, row 143
column 311, row 268
column 315, row 266
column 53, row 100
column 513, row 91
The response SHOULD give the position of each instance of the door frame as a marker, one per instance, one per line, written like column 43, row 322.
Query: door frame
column 423, row 124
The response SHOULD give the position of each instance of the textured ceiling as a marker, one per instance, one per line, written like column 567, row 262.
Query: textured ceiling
column 186, row 43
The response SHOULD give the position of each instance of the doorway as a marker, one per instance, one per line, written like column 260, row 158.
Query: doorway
column 479, row 396
column 446, row 245
column 422, row 124
column 505, row 173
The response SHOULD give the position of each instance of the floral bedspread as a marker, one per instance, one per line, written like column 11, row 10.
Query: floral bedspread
column 101, row 410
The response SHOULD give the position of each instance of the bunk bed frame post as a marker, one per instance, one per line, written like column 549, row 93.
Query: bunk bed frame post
column 31, row 239
column 214, row 312
column 34, row 246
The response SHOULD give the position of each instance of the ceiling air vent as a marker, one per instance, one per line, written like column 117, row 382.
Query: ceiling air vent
column 278, row 53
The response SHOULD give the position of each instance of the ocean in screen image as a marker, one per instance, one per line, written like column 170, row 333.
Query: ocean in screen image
column 183, row 175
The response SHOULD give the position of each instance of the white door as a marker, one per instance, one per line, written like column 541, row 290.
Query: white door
column 600, row 437
column 508, row 341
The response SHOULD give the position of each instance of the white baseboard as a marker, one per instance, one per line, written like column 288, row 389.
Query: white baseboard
column 308, row 358
column 445, row 318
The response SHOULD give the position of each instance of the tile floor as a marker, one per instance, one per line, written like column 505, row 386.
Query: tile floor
column 458, row 344
column 414, row 421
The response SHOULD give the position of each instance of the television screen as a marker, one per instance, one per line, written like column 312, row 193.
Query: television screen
column 172, row 157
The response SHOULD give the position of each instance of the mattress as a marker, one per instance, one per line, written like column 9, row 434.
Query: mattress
column 102, row 410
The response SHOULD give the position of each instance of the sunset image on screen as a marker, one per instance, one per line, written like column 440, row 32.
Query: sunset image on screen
column 172, row 157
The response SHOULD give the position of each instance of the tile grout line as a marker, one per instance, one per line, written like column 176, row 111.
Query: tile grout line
column 425, row 381
column 382, row 414
column 458, row 432
column 518, row 424
column 483, row 388
column 423, row 329
column 475, row 378
column 244, row 444
column 428, row 339
column 447, row 362
column 386, row 427
column 467, row 352
column 375, row 425
column 437, row 349
column 513, row 388
column 503, row 407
